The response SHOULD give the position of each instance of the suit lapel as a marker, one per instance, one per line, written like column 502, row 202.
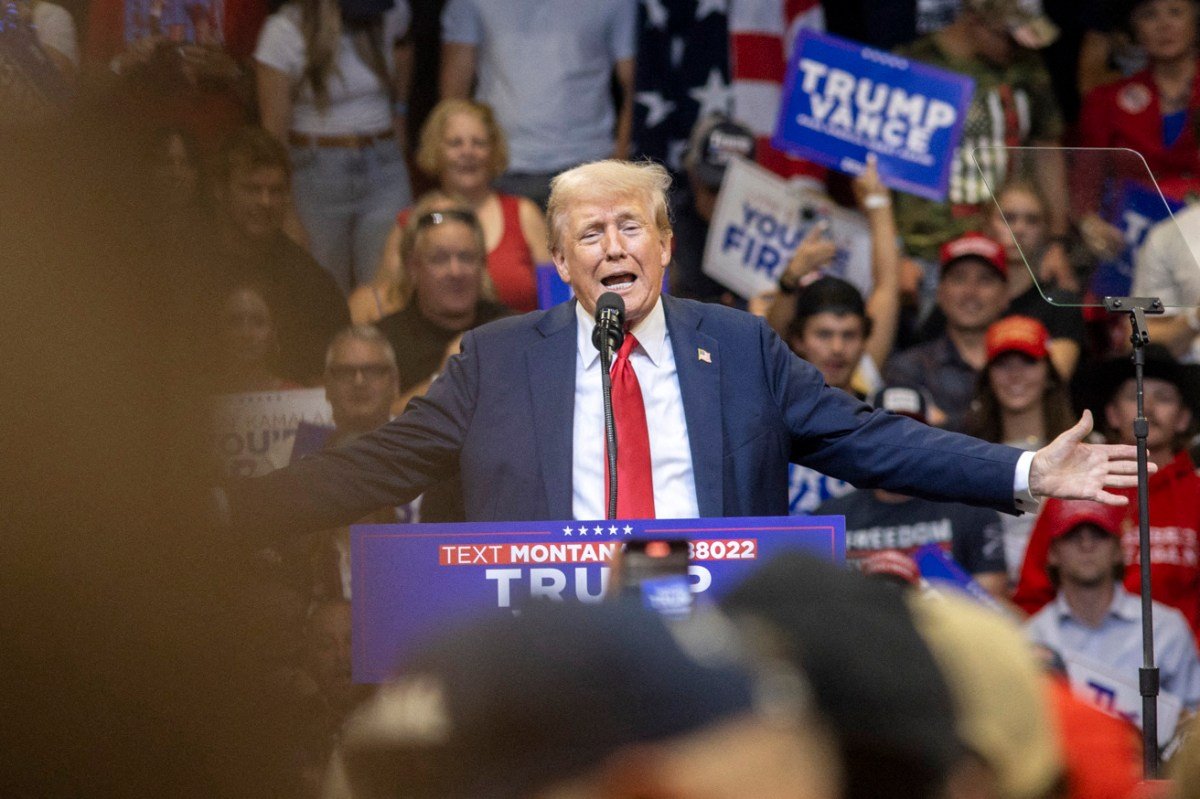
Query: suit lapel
column 697, row 359
column 550, row 365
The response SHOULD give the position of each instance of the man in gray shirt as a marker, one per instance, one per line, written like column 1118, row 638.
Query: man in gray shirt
column 545, row 67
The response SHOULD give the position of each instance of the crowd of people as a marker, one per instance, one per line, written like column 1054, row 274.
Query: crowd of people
column 352, row 212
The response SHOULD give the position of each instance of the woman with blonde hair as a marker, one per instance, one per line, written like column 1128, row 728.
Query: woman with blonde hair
column 463, row 147
column 332, row 82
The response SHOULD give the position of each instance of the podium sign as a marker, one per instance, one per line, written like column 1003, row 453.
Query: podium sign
column 411, row 580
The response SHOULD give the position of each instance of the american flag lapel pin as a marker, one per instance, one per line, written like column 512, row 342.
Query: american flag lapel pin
column 703, row 355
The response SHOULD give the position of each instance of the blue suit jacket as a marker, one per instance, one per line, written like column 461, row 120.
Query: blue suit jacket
column 502, row 415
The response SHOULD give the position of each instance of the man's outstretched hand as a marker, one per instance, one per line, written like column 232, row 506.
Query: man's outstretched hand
column 1070, row 468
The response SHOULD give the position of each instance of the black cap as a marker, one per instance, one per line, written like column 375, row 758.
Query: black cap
column 905, row 400
column 714, row 141
column 508, row 705
column 871, row 674
column 1095, row 384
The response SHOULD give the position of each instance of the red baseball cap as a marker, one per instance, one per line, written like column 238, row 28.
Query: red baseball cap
column 1062, row 516
column 1017, row 334
column 975, row 245
column 892, row 563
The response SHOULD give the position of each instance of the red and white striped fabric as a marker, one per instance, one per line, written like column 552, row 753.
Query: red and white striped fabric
column 761, row 33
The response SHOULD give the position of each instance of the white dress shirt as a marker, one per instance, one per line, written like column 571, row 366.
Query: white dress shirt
column 670, row 451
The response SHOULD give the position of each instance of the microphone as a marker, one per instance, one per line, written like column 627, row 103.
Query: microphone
column 610, row 322
column 607, row 337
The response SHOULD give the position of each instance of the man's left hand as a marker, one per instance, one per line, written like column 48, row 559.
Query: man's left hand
column 1070, row 468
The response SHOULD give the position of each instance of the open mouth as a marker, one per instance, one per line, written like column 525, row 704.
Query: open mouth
column 619, row 281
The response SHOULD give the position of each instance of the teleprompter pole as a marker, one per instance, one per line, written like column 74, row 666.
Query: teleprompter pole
column 1137, row 308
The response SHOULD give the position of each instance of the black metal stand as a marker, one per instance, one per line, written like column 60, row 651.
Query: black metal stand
column 1137, row 308
column 610, row 428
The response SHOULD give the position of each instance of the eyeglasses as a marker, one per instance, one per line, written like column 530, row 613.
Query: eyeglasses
column 347, row 373
column 434, row 218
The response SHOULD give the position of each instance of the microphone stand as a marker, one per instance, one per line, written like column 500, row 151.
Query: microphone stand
column 610, row 427
column 1137, row 308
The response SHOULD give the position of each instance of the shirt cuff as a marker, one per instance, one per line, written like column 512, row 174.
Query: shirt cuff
column 1023, row 498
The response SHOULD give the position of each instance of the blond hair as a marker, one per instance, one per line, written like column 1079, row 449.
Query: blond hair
column 429, row 150
column 608, row 180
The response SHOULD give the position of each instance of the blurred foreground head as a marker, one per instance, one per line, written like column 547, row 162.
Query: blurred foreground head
column 586, row 701
column 1004, row 716
column 872, row 676
column 104, row 551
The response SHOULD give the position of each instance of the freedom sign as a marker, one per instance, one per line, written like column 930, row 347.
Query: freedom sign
column 409, row 581
column 842, row 100
column 760, row 219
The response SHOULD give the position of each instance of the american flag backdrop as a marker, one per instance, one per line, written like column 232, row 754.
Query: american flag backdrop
column 696, row 57
column 761, row 33
column 682, row 73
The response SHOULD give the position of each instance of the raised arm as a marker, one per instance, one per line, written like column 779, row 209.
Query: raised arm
column 816, row 249
column 883, row 306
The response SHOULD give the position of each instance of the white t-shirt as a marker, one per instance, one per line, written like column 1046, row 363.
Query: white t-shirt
column 1168, row 266
column 358, row 103
column 55, row 30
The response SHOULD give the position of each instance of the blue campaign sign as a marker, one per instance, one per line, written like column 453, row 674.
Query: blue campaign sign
column 842, row 100
column 938, row 567
column 1137, row 208
column 550, row 287
column 411, row 580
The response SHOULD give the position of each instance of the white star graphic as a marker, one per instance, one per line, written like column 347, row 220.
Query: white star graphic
column 599, row 530
column 656, row 13
column 706, row 7
column 677, row 45
column 583, row 531
column 566, row 531
column 612, row 530
column 713, row 96
column 657, row 108
column 628, row 530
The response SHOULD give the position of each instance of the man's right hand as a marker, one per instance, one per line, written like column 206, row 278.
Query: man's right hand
column 815, row 250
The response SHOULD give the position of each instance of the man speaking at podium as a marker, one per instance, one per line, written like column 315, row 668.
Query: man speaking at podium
column 710, row 406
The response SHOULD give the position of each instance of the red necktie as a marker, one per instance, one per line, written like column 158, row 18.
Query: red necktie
column 635, row 483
